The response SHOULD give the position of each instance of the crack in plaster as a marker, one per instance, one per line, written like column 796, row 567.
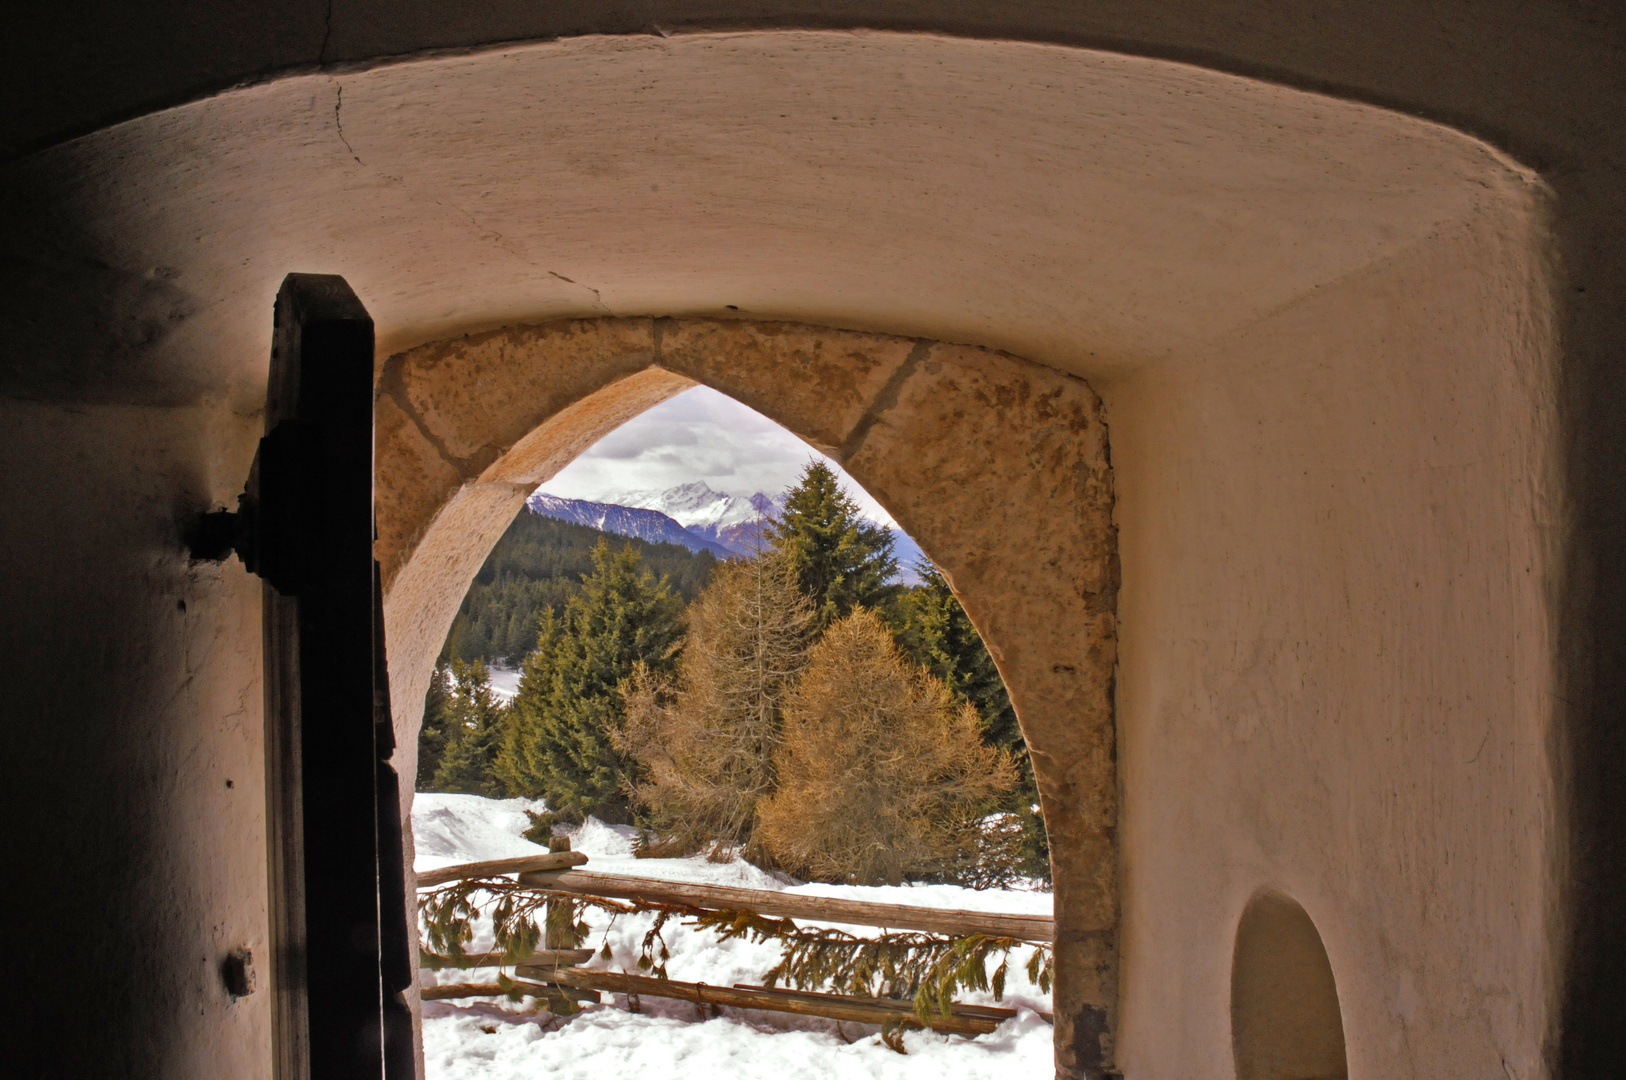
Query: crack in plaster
column 338, row 103
column 597, row 298
column 495, row 237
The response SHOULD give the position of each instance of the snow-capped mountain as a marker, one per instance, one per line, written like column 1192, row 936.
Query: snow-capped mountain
column 703, row 511
column 640, row 522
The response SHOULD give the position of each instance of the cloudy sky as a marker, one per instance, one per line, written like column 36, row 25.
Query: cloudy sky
column 698, row 435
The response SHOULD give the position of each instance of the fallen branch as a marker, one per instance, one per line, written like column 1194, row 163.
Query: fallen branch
column 989, row 1012
column 540, row 991
column 929, row 968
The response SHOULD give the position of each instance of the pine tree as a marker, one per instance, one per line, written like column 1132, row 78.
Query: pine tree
column 556, row 738
column 706, row 744
column 841, row 560
column 881, row 774
column 472, row 721
column 934, row 630
column 432, row 735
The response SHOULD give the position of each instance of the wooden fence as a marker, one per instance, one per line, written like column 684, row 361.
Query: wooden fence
column 553, row 974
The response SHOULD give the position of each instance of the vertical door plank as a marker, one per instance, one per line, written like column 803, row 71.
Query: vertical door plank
column 332, row 816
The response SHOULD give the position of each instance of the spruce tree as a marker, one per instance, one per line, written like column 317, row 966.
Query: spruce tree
column 934, row 630
column 472, row 720
column 556, row 741
column 706, row 744
column 842, row 561
column 432, row 735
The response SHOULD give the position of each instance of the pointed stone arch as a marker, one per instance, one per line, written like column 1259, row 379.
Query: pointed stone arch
column 997, row 466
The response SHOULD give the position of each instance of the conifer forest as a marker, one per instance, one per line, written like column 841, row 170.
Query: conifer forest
column 798, row 708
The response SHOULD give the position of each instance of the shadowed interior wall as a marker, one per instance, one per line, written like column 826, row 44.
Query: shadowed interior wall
column 1366, row 469
column 136, row 780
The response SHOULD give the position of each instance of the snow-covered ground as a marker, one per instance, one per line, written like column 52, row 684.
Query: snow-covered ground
column 493, row 1039
column 504, row 682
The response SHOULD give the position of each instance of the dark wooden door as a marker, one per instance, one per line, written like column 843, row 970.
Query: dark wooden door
column 339, row 929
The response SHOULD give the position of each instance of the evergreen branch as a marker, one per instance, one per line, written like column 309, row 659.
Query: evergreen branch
column 927, row 968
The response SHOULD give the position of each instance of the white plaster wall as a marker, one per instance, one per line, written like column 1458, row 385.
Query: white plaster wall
column 1337, row 529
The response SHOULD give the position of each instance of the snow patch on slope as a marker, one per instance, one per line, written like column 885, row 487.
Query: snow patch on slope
column 737, row 521
column 601, row 1043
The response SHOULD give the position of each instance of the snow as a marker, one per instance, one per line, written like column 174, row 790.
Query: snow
column 452, row 829
column 604, row 1042
column 701, row 434
column 494, row 1039
column 504, row 682
column 696, row 505
column 706, row 512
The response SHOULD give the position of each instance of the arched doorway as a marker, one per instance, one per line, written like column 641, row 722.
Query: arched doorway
column 1285, row 1020
column 996, row 465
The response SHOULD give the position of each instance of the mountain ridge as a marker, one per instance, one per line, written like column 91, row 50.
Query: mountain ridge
column 698, row 517
column 704, row 511
column 638, row 522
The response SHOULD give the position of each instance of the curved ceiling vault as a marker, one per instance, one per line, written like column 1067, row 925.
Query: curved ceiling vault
column 1084, row 209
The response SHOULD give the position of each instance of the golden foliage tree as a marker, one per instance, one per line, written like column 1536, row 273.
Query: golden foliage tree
column 881, row 774
column 706, row 743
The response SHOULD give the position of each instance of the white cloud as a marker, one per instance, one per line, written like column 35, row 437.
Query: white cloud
column 698, row 435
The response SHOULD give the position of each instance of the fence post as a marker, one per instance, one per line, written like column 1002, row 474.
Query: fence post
column 559, row 926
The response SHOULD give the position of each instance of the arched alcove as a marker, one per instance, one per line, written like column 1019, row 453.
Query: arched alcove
column 1285, row 1019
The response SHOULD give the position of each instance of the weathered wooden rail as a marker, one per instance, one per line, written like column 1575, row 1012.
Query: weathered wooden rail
column 785, row 905
column 804, row 1003
column 580, row 984
column 540, row 958
column 552, row 994
column 552, row 860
